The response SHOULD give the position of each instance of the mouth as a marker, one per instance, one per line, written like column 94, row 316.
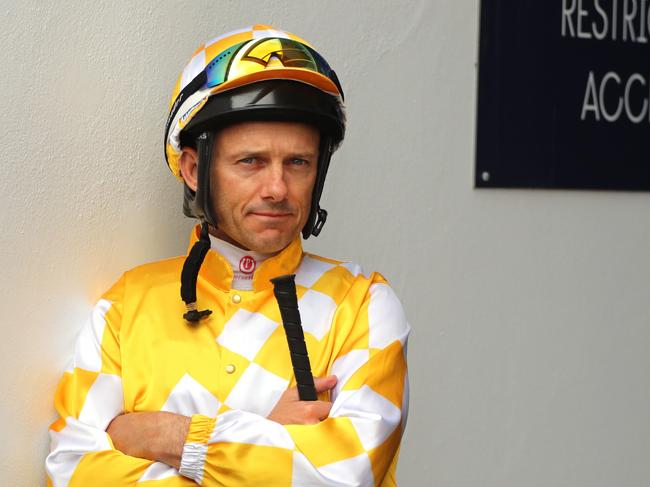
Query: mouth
column 270, row 215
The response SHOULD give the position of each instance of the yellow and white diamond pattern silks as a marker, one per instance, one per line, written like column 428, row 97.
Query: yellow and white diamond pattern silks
column 138, row 354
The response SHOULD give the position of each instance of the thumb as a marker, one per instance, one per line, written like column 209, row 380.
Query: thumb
column 325, row 383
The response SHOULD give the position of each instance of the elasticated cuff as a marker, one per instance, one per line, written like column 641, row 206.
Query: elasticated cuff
column 196, row 447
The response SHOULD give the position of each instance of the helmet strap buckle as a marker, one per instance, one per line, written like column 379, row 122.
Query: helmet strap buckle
column 321, row 218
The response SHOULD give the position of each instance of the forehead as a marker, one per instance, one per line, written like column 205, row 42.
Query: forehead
column 267, row 135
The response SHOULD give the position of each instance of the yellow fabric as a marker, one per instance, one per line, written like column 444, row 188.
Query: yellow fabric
column 200, row 429
column 227, row 372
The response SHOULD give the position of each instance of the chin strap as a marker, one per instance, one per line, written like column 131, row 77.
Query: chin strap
column 318, row 215
column 190, row 274
column 321, row 218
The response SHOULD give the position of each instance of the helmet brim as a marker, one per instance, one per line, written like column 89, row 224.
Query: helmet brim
column 270, row 100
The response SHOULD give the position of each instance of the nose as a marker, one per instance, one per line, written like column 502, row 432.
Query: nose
column 274, row 187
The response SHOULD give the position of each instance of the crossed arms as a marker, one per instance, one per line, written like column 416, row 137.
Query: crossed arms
column 351, row 441
column 159, row 436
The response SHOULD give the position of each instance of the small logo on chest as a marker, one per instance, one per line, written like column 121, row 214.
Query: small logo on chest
column 247, row 264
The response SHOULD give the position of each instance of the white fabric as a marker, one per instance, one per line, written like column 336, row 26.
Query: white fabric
column 104, row 401
column 345, row 366
column 353, row 472
column 88, row 353
column 238, row 426
column 158, row 471
column 304, row 474
column 386, row 319
column 69, row 445
column 373, row 416
column 311, row 270
column 246, row 333
column 356, row 471
column 242, row 281
column 256, row 391
column 193, row 461
column 190, row 397
column 316, row 313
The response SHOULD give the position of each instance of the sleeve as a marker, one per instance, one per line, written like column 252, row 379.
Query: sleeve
column 88, row 397
column 356, row 445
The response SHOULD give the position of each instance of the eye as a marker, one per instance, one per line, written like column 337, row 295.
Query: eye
column 246, row 160
column 299, row 162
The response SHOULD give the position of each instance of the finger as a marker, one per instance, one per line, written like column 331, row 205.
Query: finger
column 311, row 412
column 321, row 409
column 325, row 383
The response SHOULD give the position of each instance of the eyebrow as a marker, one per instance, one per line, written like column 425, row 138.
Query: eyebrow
column 254, row 152
column 305, row 155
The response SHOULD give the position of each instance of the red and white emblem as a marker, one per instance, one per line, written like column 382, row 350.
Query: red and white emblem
column 247, row 264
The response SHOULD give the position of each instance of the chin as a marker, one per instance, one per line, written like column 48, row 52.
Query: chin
column 268, row 244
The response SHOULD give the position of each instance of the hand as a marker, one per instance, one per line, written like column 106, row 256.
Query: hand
column 291, row 410
column 157, row 436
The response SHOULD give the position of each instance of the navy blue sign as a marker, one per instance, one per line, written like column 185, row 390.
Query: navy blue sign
column 564, row 94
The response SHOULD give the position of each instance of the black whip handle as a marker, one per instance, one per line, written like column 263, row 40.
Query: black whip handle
column 284, row 288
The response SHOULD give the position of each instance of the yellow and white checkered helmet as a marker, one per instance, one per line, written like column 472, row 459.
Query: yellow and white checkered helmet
column 238, row 58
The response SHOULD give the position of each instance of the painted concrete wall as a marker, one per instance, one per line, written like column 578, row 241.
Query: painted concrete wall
column 529, row 356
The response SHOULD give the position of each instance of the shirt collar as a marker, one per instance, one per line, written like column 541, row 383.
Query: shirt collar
column 243, row 263
column 217, row 270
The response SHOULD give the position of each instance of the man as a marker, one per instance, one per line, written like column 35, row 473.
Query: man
column 168, row 394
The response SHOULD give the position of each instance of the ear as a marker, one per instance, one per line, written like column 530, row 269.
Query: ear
column 189, row 164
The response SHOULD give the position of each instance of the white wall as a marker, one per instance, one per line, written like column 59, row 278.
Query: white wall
column 529, row 353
